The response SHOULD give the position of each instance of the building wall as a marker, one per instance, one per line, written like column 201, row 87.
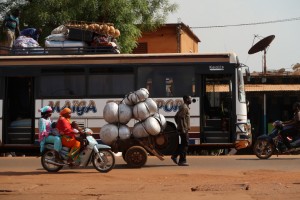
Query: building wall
column 188, row 45
column 167, row 39
column 162, row 41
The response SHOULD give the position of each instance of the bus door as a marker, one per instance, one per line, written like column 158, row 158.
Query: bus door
column 216, row 109
column 18, row 112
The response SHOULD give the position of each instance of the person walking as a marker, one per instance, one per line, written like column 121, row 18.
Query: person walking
column 10, row 27
column 182, row 119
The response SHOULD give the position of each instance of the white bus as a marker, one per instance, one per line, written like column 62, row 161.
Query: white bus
column 85, row 83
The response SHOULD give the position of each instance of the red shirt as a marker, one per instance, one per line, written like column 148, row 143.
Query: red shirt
column 64, row 127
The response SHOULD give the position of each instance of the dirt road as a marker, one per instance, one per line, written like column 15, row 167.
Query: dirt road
column 207, row 177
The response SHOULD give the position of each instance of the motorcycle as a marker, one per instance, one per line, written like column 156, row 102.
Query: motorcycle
column 100, row 155
column 267, row 145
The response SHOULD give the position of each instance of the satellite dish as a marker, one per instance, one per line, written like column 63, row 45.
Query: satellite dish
column 261, row 45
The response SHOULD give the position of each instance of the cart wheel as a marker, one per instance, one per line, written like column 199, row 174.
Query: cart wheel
column 136, row 156
column 167, row 142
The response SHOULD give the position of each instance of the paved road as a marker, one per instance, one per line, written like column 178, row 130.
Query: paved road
column 208, row 177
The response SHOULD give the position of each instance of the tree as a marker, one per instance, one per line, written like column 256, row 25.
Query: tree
column 296, row 67
column 131, row 17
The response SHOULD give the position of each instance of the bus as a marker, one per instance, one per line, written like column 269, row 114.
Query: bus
column 86, row 82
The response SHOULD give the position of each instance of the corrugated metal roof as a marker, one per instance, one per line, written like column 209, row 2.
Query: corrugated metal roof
column 271, row 88
column 256, row 88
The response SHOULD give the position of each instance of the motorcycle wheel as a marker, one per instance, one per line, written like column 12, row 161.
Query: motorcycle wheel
column 263, row 149
column 107, row 163
column 49, row 155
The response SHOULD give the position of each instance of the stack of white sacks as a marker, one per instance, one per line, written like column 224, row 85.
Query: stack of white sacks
column 136, row 105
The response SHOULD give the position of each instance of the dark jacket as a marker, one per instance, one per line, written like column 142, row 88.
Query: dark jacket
column 182, row 118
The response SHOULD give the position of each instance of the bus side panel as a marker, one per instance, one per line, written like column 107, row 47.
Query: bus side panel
column 89, row 112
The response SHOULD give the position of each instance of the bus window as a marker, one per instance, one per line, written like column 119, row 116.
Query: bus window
column 169, row 87
column 218, row 96
column 61, row 85
column 110, row 84
column 167, row 81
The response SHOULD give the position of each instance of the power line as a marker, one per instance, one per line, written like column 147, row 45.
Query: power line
column 248, row 24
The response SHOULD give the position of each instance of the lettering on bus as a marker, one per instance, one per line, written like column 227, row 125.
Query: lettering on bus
column 78, row 107
column 169, row 105
column 216, row 68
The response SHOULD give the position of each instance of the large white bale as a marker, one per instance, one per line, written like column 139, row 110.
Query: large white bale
column 127, row 100
column 110, row 112
column 145, row 109
column 161, row 119
column 141, row 111
column 124, row 113
column 133, row 98
column 152, row 106
column 124, row 132
column 142, row 94
column 117, row 113
column 152, row 126
column 109, row 134
column 139, row 131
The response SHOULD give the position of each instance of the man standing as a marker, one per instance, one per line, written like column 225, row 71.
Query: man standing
column 10, row 27
column 32, row 32
column 182, row 119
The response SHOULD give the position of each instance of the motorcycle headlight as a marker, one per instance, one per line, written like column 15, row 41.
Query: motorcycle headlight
column 88, row 131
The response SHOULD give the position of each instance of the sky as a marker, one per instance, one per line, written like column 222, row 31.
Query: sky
column 283, row 52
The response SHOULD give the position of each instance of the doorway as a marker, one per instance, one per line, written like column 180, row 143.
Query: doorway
column 217, row 107
column 19, row 111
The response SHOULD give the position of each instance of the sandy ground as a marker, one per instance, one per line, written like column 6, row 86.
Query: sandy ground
column 155, row 181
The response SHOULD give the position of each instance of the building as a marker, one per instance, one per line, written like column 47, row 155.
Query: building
column 271, row 98
column 169, row 38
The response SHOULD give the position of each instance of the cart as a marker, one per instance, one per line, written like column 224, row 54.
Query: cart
column 135, row 151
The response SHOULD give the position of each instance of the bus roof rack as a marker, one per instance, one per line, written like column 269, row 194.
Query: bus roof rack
column 5, row 51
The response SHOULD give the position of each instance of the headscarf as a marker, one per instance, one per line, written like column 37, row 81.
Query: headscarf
column 64, row 111
column 45, row 109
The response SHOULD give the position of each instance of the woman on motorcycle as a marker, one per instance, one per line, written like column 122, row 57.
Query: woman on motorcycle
column 45, row 135
column 68, row 134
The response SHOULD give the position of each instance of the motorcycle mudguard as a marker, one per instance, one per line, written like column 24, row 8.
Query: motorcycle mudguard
column 103, row 146
column 264, row 137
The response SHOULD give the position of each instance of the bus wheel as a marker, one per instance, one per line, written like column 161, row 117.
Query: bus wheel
column 136, row 156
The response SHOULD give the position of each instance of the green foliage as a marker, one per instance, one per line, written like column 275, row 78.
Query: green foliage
column 129, row 16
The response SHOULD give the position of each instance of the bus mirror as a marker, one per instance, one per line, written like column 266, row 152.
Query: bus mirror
column 248, row 74
column 248, row 103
